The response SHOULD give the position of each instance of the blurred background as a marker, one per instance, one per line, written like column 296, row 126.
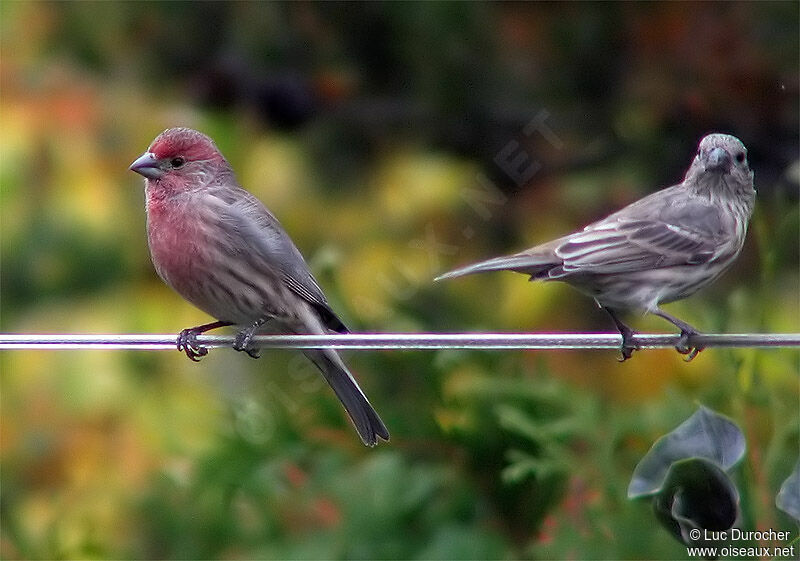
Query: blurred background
column 394, row 141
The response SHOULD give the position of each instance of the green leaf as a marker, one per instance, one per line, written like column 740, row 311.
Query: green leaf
column 705, row 434
column 523, row 466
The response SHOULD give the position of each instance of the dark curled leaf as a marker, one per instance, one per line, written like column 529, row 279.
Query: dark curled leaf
column 705, row 434
column 697, row 495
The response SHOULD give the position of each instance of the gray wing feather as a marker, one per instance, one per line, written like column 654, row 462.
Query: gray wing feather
column 667, row 228
column 675, row 230
column 271, row 247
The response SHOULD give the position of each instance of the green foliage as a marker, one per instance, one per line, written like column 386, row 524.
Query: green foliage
column 285, row 501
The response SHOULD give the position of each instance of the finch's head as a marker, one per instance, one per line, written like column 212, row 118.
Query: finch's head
column 181, row 155
column 721, row 160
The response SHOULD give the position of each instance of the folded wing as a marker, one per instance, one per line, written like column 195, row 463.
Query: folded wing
column 272, row 248
column 686, row 232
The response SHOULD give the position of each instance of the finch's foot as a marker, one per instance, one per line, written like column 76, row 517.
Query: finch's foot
column 187, row 339
column 242, row 344
column 685, row 346
column 187, row 342
column 243, row 338
column 253, row 353
column 628, row 345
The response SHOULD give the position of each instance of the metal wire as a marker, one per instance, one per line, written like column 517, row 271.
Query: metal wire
column 408, row 341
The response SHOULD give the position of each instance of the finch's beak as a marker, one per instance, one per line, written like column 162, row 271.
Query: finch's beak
column 718, row 159
column 147, row 165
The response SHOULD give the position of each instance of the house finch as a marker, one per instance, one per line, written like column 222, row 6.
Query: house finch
column 217, row 246
column 659, row 249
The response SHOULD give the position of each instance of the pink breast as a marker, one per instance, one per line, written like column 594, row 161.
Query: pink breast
column 174, row 234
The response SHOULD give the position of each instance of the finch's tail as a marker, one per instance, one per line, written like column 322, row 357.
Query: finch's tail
column 536, row 264
column 364, row 417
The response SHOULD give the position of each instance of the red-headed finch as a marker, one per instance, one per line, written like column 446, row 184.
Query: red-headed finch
column 220, row 248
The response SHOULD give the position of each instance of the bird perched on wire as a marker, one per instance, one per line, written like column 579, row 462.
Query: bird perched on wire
column 659, row 249
column 220, row 248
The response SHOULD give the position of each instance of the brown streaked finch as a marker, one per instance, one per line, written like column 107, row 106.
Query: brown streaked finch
column 659, row 249
column 220, row 248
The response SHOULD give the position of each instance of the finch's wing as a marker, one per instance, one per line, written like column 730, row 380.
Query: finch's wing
column 270, row 247
column 684, row 232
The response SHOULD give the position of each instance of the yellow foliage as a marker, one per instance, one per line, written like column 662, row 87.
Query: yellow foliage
column 525, row 305
column 411, row 184
column 276, row 170
column 376, row 278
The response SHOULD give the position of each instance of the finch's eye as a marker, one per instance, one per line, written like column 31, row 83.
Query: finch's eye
column 177, row 162
column 740, row 157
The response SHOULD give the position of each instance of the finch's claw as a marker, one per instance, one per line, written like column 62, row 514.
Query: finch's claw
column 628, row 346
column 685, row 346
column 693, row 353
column 196, row 353
column 625, row 353
column 187, row 342
column 242, row 344
column 242, row 341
